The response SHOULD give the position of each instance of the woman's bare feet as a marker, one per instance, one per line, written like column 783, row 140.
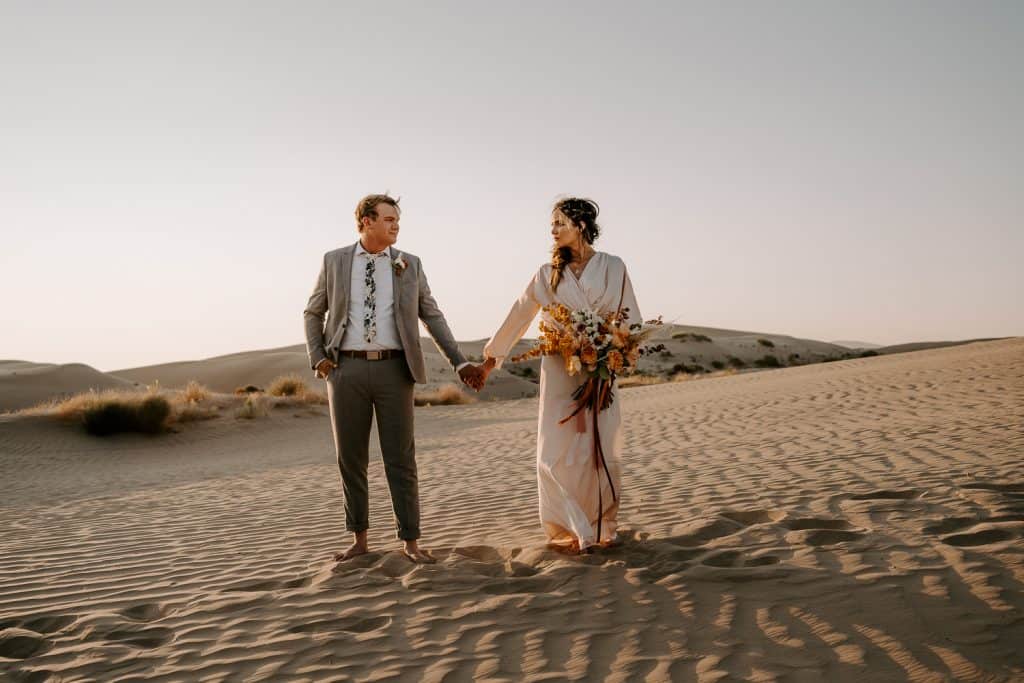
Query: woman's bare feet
column 358, row 547
column 417, row 555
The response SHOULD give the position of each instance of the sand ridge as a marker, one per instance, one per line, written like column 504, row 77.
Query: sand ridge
column 859, row 520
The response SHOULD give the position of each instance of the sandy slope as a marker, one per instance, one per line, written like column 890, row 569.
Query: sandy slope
column 226, row 373
column 850, row 521
column 24, row 384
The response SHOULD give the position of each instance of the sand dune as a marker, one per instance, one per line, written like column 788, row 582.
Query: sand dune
column 226, row 373
column 724, row 349
column 850, row 521
column 24, row 384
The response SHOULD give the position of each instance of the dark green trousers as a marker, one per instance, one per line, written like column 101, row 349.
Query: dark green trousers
column 358, row 390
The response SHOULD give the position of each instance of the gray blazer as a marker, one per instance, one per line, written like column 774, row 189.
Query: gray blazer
column 413, row 303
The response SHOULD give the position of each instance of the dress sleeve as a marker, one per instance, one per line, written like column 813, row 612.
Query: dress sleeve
column 629, row 299
column 518, row 320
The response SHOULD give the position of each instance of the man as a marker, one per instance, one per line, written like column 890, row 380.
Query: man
column 369, row 352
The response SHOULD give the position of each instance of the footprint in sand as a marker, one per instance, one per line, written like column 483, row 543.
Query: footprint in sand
column 983, row 537
column 735, row 558
column 19, row 643
column 705, row 531
column 348, row 625
column 751, row 517
column 999, row 488
column 45, row 623
column 146, row 611
column 887, row 494
column 269, row 585
column 144, row 638
column 815, row 523
column 950, row 524
column 821, row 537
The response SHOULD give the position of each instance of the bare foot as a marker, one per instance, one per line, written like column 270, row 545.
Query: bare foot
column 417, row 555
column 355, row 550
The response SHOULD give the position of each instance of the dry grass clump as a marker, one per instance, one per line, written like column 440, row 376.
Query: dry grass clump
column 194, row 403
column 446, row 395
column 194, row 392
column 148, row 416
column 639, row 381
column 254, row 406
column 287, row 385
column 71, row 408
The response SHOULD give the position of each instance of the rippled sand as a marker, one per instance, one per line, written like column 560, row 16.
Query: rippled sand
column 851, row 521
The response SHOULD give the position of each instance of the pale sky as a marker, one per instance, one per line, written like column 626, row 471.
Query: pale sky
column 171, row 173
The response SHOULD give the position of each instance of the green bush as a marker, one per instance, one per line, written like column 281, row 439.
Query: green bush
column 717, row 364
column 868, row 353
column 112, row 417
column 736, row 362
column 768, row 361
column 766, row 342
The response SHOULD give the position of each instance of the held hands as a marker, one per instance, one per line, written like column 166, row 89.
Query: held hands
column 475, row 376
column 324, row 367
column 472, row 377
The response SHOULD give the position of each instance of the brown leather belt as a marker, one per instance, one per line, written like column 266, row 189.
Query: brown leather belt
column 386, row 354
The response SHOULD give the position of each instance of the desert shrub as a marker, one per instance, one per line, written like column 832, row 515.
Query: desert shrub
column 666, row 354
column 194, row 392
column 766, row 342
column 306, row 398
column 194, row 413
column 248, row 389
column 717, row 364
column 794, row 356
column 287, row 385
column 687, row 369
column 638, row 380
column 254, row 406
column 446, row 395
column 868, row 353
column 523, row 371
column 113, row 416
column 691, row 336
column 736, row 362
column 768, row 361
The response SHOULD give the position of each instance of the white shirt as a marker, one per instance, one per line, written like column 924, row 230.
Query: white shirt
column 387, row 330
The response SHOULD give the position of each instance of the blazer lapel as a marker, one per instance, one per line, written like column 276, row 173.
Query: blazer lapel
column 345, row 277
column 396, row 282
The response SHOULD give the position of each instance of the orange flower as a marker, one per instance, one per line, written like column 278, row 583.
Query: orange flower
column 615, row 361
column 588, row 355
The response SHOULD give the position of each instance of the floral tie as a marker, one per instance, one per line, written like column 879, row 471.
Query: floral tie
column 370, row 302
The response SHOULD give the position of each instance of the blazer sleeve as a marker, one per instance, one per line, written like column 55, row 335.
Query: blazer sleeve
column 313, row 317
column 434, row 320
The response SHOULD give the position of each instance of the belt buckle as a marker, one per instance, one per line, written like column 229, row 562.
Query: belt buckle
column 373, row 355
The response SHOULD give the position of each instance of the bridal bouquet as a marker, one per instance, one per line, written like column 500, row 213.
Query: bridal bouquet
column 600, row 346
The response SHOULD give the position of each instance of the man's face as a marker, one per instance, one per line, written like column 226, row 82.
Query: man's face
column 382, row 230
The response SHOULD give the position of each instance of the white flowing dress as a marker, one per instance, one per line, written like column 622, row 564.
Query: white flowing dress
column 566, row 476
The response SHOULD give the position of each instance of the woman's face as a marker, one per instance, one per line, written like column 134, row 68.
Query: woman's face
column 563, row 231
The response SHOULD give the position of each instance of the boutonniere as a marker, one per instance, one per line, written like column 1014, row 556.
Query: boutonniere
column 399, row 264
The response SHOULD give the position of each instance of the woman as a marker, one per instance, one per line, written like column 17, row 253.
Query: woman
column 574, row 494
